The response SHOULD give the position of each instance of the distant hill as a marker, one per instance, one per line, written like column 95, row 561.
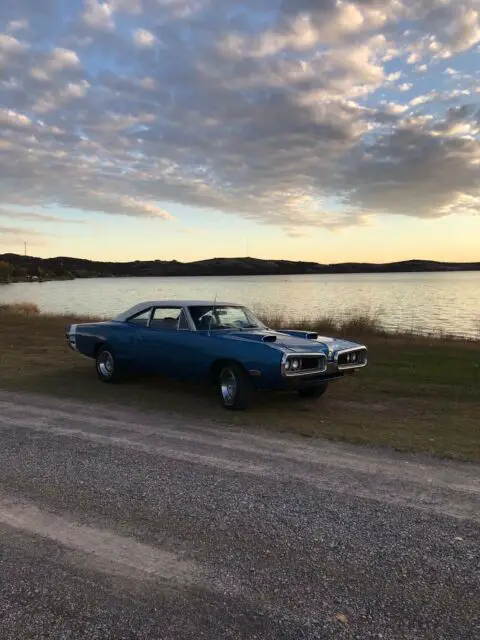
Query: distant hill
column 64, row 267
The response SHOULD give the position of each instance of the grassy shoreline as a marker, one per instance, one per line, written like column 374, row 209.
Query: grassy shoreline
column 357, row 325
column 417, row 394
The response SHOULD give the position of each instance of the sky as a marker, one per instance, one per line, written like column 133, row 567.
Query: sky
column 319, row 130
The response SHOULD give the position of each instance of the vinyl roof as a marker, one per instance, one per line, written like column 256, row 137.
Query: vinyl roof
column 141, row 306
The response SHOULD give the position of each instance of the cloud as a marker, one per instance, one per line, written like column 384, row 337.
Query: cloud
column 416, row 172
column 10, row 45
column 334, row 23
column 191, row 231
column 129, row 6
column 463, row 31
column 144, row 38
column 17, row 25
column 450, row 27
column 393, row 108
column 33, row 216
column 424, row 99
column 13, row 120
column 98, row 15
column 10, row 231
column 16, row 236
column 264, row 110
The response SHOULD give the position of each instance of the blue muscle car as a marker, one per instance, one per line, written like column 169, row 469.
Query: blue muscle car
column 222, row 342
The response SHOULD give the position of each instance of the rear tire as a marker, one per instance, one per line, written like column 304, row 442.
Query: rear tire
column 313, row 392
column 107, row 366
column 234, row 387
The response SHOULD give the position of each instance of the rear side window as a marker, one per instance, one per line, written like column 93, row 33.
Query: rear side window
column 165, row 318
column 141, row 319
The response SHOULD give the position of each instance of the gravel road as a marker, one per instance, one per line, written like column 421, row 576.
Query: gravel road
column 121, row 524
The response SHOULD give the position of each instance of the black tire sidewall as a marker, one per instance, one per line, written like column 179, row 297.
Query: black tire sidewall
column 242, row 397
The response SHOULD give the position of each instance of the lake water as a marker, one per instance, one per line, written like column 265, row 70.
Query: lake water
column 408, row 301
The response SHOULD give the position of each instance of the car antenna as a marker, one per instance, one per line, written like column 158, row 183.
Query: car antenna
column 211, row 317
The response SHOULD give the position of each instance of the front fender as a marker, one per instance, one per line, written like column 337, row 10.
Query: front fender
column 261, row 360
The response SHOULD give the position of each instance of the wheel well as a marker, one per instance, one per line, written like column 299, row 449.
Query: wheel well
column 97, row 348
column 219, row 364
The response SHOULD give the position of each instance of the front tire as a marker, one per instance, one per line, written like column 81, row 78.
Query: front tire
column 313, row 392
column 234, row 387
column 107, row 366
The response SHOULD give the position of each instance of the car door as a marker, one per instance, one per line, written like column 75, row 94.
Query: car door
column 138, row 325
column 192, row 354
column 158, row 341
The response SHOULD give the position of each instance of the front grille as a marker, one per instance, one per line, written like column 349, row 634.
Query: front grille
column 307, row 363
column 352, row 358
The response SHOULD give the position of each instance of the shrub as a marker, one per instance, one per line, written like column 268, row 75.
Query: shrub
column 357, row 324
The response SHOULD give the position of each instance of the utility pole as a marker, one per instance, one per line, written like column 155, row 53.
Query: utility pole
column 25, row 247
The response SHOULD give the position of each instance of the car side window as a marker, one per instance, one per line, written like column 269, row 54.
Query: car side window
column 166, row 318
column 141, row 319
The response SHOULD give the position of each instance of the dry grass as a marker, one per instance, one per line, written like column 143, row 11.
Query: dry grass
column 417, row 394
column 362, row 323
column 19, row 309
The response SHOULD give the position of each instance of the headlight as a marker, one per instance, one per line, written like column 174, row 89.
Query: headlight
column 352, row 359
column 288, row 364
column 295, row 364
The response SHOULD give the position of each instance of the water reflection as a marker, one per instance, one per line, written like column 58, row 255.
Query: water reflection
column 420, row 301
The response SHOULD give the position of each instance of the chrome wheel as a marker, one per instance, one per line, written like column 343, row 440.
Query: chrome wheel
column 228, row 387
column 105, row 364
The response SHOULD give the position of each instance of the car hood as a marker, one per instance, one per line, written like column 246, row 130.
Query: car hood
column 290, row 344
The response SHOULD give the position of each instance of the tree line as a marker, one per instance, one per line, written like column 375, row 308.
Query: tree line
column 17, row 273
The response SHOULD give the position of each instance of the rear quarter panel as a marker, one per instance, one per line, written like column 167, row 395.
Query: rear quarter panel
column 119, row 336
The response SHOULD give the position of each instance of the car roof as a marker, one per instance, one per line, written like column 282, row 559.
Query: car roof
column 141, row 306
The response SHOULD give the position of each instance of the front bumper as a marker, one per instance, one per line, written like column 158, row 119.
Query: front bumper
column 343, row 362
column 294, row 383
column 70, row 337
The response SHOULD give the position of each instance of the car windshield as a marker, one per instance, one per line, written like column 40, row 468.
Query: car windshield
column 219, row 317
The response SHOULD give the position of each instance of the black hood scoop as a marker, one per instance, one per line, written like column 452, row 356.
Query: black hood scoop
column 270, row 337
